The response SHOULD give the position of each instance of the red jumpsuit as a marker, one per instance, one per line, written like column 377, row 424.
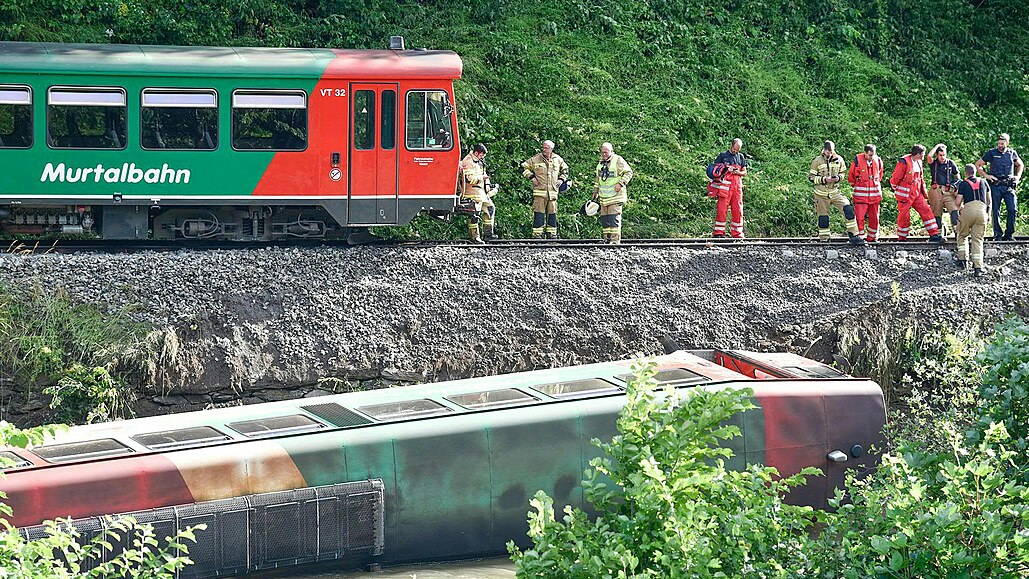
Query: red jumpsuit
column 909, row 188
column 866, row 178
column 730, row 195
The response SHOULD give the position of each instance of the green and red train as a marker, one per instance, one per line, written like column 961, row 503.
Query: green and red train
column 431, row 472
column 223, row 143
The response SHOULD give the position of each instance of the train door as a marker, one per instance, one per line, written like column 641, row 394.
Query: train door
column 373, row 154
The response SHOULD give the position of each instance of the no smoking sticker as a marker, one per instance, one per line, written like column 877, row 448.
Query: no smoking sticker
column 335, row 174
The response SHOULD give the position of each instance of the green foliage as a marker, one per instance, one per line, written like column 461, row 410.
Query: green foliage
column 87, row 395
column 62, row 554
column 668, row 82
column 669, row 507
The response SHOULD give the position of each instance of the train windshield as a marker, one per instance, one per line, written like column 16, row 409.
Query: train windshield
column 429, row 120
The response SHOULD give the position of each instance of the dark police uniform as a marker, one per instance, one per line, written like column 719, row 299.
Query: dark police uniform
column 1002, row 166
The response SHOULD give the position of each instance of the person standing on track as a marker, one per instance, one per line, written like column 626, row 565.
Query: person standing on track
column 1005, row 172
column 549, row 175
column 730, row 191
column 827, row 171
column 909, row 188
column 610, row 188
column 974, row 197
column 475, row 189
column 865, row 176
column 943, row 193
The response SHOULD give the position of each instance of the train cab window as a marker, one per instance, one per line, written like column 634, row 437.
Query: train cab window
column 670, row 377
column 388, row 140
column 429, row 120
column 15, row 117
column 364, row 120
column 404, row 409
column 577, row 388
column 86, row 118
column 180, row 438
column 10, row 461
column 267, row 120
column 81, row 450
column 815, row 371
column 179, row 119
column 276, row 425
column 492, row 399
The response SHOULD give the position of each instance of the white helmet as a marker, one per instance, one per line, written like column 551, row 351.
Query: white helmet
column 590, row 208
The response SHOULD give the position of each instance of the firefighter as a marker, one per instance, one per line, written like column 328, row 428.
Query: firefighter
column 476, row 189
column 943, row 193
column 549, row 175
column 827, row 171
column 1005, row 172
column 973, row 196
column 865, row 176
column 730, row 191
column 909, row 188
column 610, row 189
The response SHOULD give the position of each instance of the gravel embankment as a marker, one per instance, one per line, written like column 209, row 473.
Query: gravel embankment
column 283, row 318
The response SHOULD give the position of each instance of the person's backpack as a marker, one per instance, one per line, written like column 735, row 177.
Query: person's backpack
column 716, row 171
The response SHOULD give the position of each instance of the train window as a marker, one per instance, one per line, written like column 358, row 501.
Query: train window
column 276, row 425
column 15, row 117
column 815, row 371
column 389, row 120
column 86, row 118
column 577, row 388
column 81, row 450
column 336, row 415
column 179, row 119
column 429, row 120
column 492, row 399
column 670, row 377
column 404, row 409
column 269, row 120
column 180, row 438
column 364, row 120
column 10, row 460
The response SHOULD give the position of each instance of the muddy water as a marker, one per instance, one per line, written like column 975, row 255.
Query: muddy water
column 500, row 568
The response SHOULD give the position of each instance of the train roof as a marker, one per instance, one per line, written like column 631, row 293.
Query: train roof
column 132, row 59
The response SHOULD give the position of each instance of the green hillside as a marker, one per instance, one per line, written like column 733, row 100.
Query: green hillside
column 669, row 82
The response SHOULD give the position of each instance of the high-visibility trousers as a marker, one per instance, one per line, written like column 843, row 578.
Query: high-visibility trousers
column 972, row 228
column 867, row 213
column 731, row 200
column 919, row 204
column 834, row 199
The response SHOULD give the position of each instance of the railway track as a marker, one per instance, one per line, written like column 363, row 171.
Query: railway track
column 68, row 246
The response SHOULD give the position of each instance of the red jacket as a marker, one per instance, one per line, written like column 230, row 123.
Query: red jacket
column 866, row 177
column 907, row 180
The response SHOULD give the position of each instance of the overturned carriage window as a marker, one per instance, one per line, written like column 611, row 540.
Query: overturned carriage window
column 179, row 119
column 815, row 371
column 180, row 438
column 389, row 120
column 276, row 425
column 492, row 399
column 15, row 117
column 577, row 388
column 81, row 450
column 429, row 120
column 86, row 118
column 670, row 377
column 404, row 409
column 10, row 460
column 364, row 120
column 269, row 120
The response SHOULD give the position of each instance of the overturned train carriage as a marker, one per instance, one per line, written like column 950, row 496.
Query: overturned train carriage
column 223, row 143
column 431, row 472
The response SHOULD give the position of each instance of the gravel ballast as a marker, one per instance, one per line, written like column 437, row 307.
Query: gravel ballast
column 244, row 321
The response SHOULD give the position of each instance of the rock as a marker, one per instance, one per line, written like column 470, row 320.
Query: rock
column 871, row 254
column 944, row 255
column 832, row 254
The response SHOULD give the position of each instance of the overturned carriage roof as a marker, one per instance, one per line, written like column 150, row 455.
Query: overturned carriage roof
column 132, row 59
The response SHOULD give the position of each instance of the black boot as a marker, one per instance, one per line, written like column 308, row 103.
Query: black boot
column 936, row 238
column 961, row 264
column 855, row 240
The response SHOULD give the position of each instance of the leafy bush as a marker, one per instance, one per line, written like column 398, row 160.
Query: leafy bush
column 669, row 507
column 87, row 395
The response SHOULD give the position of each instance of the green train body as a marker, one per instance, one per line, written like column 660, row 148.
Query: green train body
column 443, row 471
column 223, row 143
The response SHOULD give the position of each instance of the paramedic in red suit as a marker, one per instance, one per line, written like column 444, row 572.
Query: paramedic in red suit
column 909, row 188
column 865, row 176
column 730, row 192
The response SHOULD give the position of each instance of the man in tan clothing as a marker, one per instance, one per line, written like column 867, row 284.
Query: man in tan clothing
column 476, row 189
column 610, row 189
column 549, row 175
column 974, row 198
column 827, row 171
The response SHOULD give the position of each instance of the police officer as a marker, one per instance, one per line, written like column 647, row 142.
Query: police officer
column 1005, row 173
column 549, row 175
column 975, row 198
column 827, row 171
column 613, row 176
column 476, row 189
